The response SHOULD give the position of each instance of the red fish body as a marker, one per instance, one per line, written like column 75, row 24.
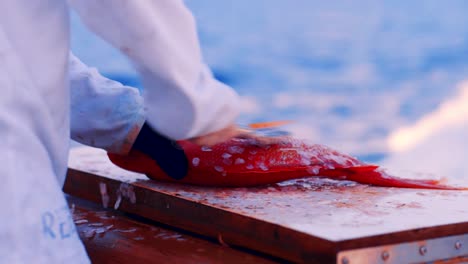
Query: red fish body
column 242, row 163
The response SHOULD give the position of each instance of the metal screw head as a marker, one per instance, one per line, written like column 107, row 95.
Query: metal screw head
column 344, row 260
column 458, row 245
column 385, row 255
column 422, row 250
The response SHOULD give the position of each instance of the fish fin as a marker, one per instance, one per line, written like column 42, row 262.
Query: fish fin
column 270, row 124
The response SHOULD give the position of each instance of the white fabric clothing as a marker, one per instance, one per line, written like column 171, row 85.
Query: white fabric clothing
column 104, row 113
column 182, row 98
column 34, row 134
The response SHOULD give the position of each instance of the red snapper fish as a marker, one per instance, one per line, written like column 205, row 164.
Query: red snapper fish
column 244, row 163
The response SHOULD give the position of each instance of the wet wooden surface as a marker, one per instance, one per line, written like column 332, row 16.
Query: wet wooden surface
column 306, row 220
column 113, row 237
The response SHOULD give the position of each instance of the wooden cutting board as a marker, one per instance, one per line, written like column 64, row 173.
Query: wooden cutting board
column 309, row 220
column 114, row 237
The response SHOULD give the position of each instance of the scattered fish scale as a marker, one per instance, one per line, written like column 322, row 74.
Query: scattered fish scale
column 239, row 161
column 236, row 150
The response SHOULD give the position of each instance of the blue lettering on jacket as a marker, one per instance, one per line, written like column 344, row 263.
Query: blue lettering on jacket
column 58, row 224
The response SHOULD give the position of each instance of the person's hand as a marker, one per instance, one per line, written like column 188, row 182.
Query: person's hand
column 218, row 137
column 171, row 157
column 234, row 131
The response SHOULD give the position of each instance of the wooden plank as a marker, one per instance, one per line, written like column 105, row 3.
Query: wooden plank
column 230, row 228
column 111, row 237
column 304, row 221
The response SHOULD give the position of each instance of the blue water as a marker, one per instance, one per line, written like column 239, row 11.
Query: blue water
column 348, row 72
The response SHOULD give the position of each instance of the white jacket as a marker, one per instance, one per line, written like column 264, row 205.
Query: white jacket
column 104, row 113
column 182, row 100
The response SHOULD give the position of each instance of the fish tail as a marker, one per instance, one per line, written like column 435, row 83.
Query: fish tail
column 371, row 175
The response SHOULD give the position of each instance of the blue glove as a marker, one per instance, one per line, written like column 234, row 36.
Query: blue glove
column 167, row 153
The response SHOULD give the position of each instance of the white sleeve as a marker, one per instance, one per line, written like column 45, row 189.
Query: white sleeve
column 182, row 98
column 104, row 113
